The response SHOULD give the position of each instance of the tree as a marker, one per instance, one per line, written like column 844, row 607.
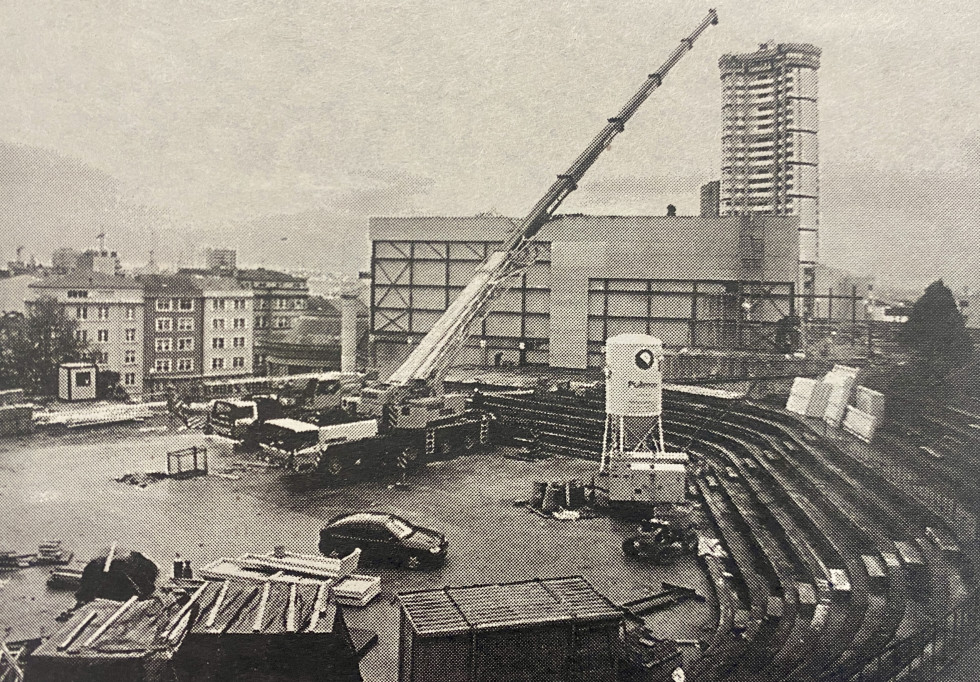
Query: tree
column 36, row 344
column 936, row 331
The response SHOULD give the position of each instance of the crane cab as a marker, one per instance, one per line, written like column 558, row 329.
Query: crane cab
column 418, row 413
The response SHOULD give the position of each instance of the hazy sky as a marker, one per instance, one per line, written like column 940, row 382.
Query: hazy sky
column 281, row 126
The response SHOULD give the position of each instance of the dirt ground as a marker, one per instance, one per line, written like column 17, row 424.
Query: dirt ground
column 59, row 485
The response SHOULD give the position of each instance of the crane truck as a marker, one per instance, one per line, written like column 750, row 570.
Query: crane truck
column 409, row 416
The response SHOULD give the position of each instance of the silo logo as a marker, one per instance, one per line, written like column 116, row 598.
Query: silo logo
column 644, row 359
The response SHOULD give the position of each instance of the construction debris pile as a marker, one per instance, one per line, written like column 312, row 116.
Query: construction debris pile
column 16, row 416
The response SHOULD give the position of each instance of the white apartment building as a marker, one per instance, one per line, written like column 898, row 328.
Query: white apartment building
column 227, row 335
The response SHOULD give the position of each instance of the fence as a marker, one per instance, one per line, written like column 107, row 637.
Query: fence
column 192, row 461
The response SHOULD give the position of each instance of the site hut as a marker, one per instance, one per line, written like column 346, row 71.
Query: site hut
column 694, row 282
column 548, row 630
column 173, row 346
column 109, row 311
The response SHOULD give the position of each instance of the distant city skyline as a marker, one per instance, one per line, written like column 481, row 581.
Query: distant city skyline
column 279, row 130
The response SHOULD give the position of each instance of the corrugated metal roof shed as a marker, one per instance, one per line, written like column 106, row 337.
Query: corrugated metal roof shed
column 455, row 609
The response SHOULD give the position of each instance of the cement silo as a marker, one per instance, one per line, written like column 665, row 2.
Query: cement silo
column 633, row 450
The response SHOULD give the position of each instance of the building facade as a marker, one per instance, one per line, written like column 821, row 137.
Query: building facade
column 110, row 313
column 173, row 348
column 769, row 141
column 711, row 199
column 691, row 281
column 227, row 338
column 279, row 300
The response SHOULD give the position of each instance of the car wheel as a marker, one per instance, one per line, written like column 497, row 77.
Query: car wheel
column 412, row 562
column 631, row 548
column 469, row 443
column 334, row 466
column 410, row 454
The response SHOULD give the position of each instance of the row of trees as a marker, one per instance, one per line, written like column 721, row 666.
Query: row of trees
column 33, row 345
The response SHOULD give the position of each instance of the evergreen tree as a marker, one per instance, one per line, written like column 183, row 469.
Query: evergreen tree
column 34, row 346
column 936, row 331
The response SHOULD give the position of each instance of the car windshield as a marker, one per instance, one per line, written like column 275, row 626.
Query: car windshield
column 400, row 528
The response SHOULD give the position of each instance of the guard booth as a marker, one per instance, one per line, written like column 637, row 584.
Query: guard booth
column 76, row 381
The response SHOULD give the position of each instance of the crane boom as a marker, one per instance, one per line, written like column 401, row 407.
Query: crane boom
column 429, row 360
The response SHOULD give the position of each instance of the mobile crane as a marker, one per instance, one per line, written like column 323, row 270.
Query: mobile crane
column 414, row 415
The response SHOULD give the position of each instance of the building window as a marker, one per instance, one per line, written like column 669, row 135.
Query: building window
column 130, row 313
column 101, row 357
column 103, row 335
column 218, row 304
column 185, row 324
column 299, row 303
column 103, row 312
column 282, row 322
column 130, row 357
column 163, row 304
column 238, row 363
column 239, row 342
column 218, row 323
column 81, row 335
column 218, row 343
column 163, row 345
column 239, row 304
column 77, row 293
column 185, row 304
column 217, row 363
column 129, row 379
column 185, row 344
column 185, row 365
column 161, row 365
column 164, row 324
column 239, row 323
column 130, row 334
column 81, row 312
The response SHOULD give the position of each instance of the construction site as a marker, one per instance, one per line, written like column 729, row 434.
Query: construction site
column 579, row 447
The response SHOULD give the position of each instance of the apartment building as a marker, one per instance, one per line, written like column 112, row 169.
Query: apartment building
column 110, row 312
column 173, row 324
column 769, row 141
column 279, row 300
column 227, row 337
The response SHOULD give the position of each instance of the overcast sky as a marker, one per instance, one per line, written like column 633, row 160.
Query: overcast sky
column 281, row 126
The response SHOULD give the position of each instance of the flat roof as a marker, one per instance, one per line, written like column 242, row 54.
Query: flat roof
column 460, row 609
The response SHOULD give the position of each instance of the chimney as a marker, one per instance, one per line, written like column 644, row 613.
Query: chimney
column 348, row 333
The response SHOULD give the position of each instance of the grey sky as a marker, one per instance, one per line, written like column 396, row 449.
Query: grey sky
column 181, row 123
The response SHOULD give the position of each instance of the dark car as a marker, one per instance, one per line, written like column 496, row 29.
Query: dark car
column 383, row 538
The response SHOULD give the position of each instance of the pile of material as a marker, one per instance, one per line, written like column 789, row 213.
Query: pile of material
column 280, row 566
column 568, row 501
column 51, row 553
column 142, row 479
column 16, row 416
column 830, row 397
column 117, row 574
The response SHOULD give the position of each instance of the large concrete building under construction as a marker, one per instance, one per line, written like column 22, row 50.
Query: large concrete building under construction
column 702, row 282
column 769, row 140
